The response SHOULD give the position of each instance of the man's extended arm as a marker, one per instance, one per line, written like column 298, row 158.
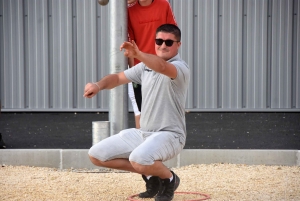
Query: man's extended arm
column 152, row 61
column 108, row 82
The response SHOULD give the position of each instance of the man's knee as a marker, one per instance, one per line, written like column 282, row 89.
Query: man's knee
column 141, row 157
column 141, row 162
column 142, row 169
column 95, row 161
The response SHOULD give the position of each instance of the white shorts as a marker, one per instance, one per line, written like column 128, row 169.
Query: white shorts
column 141, row 147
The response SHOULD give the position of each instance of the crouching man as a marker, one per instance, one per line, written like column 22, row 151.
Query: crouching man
column 164, row 78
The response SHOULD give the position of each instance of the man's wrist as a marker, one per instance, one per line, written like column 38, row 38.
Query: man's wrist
column 95, row 83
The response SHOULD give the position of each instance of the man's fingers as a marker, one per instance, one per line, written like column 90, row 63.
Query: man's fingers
column 126, row 45
column 88, row 91
column 88, row 94
column 133, row 43
column 131, row 1
column 121, row 47
column 136, row 48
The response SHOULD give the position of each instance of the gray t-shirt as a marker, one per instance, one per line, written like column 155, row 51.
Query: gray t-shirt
column 163, row 105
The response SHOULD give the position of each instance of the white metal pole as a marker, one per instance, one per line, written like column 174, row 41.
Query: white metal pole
column 118, row 106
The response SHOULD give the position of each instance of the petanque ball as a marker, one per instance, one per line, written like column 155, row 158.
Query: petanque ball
column 103, row 2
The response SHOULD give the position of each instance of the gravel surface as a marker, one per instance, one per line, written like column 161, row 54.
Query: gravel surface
column 220, row 181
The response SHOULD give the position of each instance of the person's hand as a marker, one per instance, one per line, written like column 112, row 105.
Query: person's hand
column 90, row 90
column 131, row 1
column 131, row 49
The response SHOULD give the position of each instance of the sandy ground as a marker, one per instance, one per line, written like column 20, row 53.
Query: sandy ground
column 220, row 181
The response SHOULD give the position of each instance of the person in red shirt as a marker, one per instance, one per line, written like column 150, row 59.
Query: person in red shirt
column 144, row 17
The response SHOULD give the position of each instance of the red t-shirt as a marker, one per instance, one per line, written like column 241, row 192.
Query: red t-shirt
column 144, row 20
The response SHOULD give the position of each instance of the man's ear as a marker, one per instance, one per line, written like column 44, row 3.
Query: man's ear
column 179, row 44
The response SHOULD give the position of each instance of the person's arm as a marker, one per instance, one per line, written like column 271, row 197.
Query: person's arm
column 108, row 82
column 170, row 16
column 152, row 61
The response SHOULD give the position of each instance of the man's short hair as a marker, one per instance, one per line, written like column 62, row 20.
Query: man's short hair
column 170, row 28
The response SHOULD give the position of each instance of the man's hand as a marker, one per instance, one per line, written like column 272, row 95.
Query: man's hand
column 131, row 1
column 131, row 49
column 90, row 90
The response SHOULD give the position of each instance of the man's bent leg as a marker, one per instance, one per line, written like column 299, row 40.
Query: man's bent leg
column 158, row 147
column 147, row 160
column 119, row 164
column 157, row 169
column 113, row 152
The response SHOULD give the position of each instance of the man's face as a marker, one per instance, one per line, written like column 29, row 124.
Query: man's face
column 163, row 51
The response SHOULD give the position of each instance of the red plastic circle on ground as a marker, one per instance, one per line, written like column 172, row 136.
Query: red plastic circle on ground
column 206, row 197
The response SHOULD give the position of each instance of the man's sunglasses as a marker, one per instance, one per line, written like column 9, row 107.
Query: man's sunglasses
column 168, row 42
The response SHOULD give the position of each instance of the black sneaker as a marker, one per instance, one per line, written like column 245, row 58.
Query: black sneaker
column 152, row 187
column 166, row 192
column 2, row 144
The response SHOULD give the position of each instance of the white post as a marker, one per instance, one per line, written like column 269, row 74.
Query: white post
column 118, row 106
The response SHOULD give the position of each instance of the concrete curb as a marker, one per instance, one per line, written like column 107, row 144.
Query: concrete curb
column 78, row 158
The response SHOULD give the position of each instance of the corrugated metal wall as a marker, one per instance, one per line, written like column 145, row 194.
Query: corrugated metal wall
column 243, row 54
